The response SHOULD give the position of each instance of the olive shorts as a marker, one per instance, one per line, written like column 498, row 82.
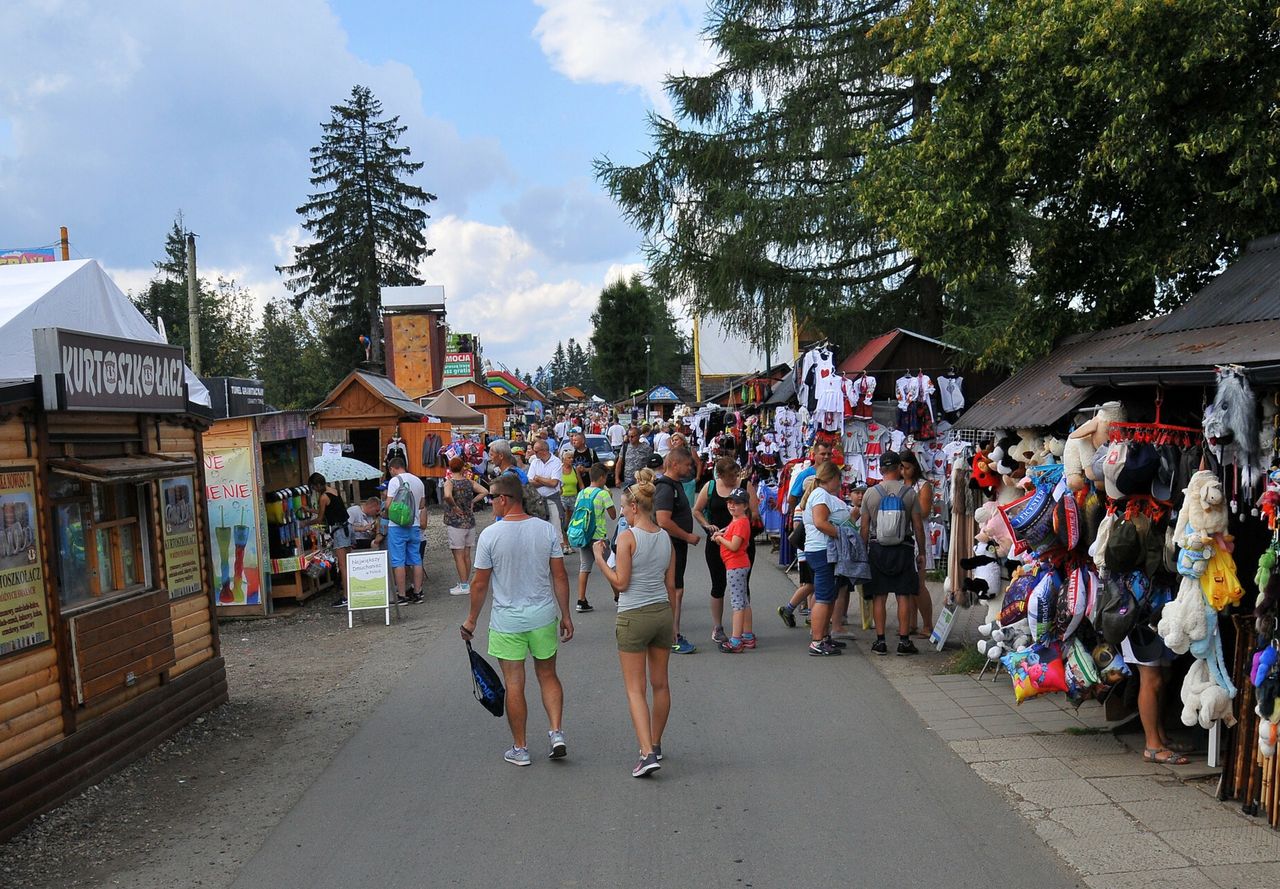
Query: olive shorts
column 649, row 626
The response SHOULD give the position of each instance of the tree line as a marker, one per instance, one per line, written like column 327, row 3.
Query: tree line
column 993, row 173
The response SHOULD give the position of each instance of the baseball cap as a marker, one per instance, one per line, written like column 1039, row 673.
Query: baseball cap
column 738, row 495
column 1162, row 484
column 1140, row 469
column 1117, row 454
column 890, row 460
column 382, row 487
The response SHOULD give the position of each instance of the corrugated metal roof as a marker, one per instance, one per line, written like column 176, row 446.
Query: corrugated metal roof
column 1036, row 396
column 862, row 358
column 1247, row 290
column 392, row 393
column 1256, row 342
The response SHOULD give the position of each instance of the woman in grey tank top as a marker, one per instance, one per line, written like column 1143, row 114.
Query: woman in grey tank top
column 644, row 584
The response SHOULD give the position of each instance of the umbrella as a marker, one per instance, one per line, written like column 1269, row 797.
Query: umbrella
column 344, row 469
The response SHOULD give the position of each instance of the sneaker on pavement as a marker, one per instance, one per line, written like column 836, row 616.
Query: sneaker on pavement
column 879, row 647
column 416, row 598
column 682, row 646
column 728, row 646
column 341, row 603
column 787, row 615
column 718, row 636
column 835, row 643
column 558, row 748
column 646, row 765
column 804, row 610
column 657, row 751
column 906, row 646
column 403, row 600
column 518, row 756
column 748, row 640
column 821, row 649
column 584, row 606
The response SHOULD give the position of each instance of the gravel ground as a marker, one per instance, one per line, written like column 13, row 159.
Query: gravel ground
column 194, row 809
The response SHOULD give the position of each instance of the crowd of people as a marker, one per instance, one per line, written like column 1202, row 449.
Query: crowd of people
column 553, row 496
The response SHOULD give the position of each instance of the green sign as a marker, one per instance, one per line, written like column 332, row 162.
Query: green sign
column 367, row 582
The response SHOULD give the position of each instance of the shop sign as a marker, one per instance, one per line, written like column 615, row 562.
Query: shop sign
column 88, row 372
column 24, row 615
column 233, row 526
column 181, row 544
column 236, row 397
column 24, row 255
column 662, row 393
column 368, row 586
column 459, row 365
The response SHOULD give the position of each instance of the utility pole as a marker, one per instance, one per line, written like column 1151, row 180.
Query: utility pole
column 64, row 243
column 193, row 305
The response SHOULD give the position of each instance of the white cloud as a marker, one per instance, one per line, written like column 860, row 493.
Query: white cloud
column 636, row 44
column 495, row 287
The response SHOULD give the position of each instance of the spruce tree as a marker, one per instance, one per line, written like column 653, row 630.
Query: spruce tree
column 366, row 222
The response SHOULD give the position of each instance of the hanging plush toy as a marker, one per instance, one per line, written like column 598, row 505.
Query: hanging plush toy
column 1231, row 425
column 1183, row 620
column 1204, row 702
column 985, row 568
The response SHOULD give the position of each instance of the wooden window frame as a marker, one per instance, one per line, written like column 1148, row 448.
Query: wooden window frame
column 116, row 528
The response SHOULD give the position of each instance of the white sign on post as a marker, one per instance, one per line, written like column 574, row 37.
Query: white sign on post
column 368, row 586
column 330, row 450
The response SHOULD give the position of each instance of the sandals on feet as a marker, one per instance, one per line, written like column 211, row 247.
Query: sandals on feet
column 1164, row 756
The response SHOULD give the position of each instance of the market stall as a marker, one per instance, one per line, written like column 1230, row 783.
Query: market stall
column 1125, row 494
column 108, row 641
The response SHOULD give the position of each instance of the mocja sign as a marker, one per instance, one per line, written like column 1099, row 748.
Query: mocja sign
column 89, row 372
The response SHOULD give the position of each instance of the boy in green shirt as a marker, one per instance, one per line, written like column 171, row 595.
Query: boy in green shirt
column 602, row 501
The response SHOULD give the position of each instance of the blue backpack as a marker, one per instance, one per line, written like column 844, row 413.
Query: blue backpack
column 582, row 526
column 488, row 687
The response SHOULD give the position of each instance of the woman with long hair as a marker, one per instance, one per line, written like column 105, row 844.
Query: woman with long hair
column 332, row 513
column 711, row 511
column 913, row 475
column 460, row 497
column 644, row 579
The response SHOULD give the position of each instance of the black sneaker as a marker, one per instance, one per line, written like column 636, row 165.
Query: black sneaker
column 787, row 615
column 906, row 646
column 416, row 598
column 341, row 603
column 822, row 649
column 403, row 600
column 835, row 643
column 584, row 606
column 879, row 647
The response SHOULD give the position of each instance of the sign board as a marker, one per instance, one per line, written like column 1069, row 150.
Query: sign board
column 661, row 393
column 368, row 586
column 24, row 614
column 236, row 397
column 90, row 372
column 23, row 255
column 233, row 523
column 181, row 545
column 459, row 365
column 329, row 449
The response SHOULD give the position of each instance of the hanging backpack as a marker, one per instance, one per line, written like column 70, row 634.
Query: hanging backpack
column 891, row 517
column 402, row 510
column 534, row 504
column 582, row 526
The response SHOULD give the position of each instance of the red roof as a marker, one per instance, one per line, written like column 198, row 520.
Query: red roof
column 863, row 358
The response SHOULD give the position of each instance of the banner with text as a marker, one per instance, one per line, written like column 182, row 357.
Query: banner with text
column 24, row 611
column 181, row 545
column 233, row 525
column 24, row 255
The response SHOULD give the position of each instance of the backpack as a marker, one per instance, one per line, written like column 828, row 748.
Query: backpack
column 892, row 521
column 402, row 510
column 582, row 526
column 534, row 505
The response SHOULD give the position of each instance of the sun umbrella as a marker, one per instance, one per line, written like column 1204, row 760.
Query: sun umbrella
column 344, row 469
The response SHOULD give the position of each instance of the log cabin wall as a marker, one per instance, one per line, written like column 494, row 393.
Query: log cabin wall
column 119, row 675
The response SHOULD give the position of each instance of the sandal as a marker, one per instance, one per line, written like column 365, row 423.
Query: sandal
column 1164, row 756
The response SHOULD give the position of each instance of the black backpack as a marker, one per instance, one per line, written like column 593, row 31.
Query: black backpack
column 488, row 687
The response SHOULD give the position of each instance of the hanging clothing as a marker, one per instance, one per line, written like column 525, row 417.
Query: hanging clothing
column 431, row 448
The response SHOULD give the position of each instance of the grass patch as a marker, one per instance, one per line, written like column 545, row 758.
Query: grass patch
column 937, row 575
column 966, row 660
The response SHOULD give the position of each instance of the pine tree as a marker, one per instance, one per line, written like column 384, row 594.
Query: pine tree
column 366, row 223
column 291, row 356
column 616, row 361
column 559, row 369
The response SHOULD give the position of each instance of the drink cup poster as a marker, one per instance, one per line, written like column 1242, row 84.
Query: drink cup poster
column 24, row 616
column 181, row 546
column 233, row 526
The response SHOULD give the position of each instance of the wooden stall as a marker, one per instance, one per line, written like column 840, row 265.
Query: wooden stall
column 108, row 641
column 495, row 407
column 256, row 464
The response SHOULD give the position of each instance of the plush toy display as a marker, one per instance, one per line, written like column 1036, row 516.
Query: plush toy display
column 1202, row 518
column 1204, row 701
column 1183, row 620
column 985, row 568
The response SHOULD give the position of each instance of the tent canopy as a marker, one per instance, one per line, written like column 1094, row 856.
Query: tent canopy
column 449, row 408
column 75, row 295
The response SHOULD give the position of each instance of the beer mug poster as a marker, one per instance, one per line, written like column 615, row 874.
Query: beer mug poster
column 181, row 544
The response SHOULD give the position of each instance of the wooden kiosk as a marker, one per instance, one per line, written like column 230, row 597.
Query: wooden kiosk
column 365, row 410
column 108, row 641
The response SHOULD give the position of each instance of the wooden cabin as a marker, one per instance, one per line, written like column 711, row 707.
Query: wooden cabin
column 108, row 639
column 496, row 408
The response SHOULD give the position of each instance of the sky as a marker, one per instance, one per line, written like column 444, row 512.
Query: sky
column 116, row 115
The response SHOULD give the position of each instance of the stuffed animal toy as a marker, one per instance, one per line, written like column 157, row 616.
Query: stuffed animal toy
column 1055, row 447
column 1000, row 640
column 1202, row 517
column 1098, row 429
column 1204, row 702
column 984, row 477
column 1077, row 454
column 993, row 525
column 985, row 569
column 1028, row 447
column 1183, row 620
column 1002, row 457
column 1231, row 424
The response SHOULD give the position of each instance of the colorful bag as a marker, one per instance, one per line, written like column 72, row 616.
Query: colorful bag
column 582, row 527
column 1036, row 670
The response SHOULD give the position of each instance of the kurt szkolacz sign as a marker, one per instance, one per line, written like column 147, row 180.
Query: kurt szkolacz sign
column 89, row 372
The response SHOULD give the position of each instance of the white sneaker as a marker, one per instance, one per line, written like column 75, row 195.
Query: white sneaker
column 459, row 590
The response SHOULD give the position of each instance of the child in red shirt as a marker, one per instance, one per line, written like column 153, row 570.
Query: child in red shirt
column 733, row 542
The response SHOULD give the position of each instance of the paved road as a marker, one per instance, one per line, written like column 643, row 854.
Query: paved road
column 781, row 770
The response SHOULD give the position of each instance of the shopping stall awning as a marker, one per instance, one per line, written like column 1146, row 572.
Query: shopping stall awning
column 449, row 408
column 124, row 470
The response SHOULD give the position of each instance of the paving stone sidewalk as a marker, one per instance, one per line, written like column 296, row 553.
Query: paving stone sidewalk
column 1123, row 823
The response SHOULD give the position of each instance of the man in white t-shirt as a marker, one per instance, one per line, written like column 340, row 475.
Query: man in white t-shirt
column 545, row 471
column 617, row 435
column 404, row 542
column 561, row 428
column 521, row 559
column 662, row 441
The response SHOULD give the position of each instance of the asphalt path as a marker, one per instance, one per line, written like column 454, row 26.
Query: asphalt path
column 781, row 770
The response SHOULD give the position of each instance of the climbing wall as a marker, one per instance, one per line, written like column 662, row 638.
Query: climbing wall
column 409, row 341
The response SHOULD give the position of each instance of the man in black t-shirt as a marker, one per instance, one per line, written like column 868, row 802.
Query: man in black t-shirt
column 675, row 516
column 583, row 458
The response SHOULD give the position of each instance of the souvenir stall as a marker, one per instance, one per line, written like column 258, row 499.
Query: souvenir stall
column 1148, row 527
column 261, row 532
column 430, row 444
column 108, row 638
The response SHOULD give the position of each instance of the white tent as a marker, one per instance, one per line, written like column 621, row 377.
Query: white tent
column 76, row 295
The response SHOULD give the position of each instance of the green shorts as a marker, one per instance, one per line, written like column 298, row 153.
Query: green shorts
column 542, row 643
column 649, row 626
